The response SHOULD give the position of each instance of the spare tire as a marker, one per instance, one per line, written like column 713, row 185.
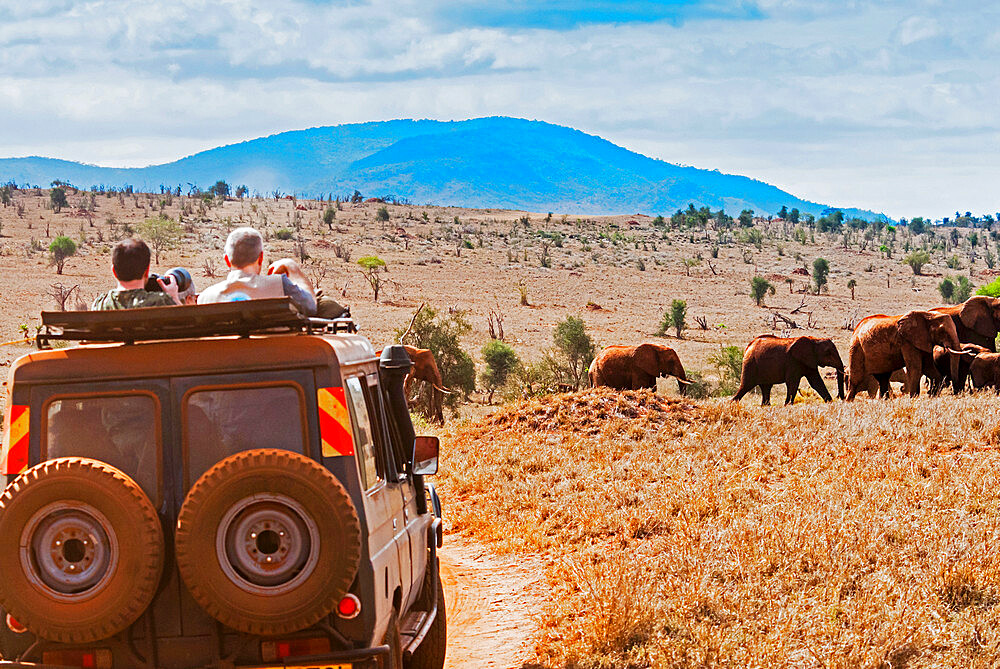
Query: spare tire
column 82, row 551
column 268, row 541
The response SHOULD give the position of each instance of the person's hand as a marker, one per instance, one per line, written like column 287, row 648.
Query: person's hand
column 170, row 288
column 292, row 270
column 285, row 266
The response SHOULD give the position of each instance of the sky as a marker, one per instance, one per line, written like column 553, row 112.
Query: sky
column 889, row 105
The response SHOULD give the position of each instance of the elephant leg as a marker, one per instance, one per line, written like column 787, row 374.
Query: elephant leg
column 765, row 394
column 914, row 371
column 884, row 391
column 791, row 387
column 816, row 381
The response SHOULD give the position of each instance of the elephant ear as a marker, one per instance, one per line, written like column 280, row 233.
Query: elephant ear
column 914, row 328
column 646, row 358
column 977, row 314
column 804, row 350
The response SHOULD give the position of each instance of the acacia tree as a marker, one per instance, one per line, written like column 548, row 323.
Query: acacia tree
column 851, row 285
column 501, row 361
column 60, row 249
column 575, row 347
column 759, row 289
column 821, row 270
column 161, row 234
column 374, row 270
column 57, row 196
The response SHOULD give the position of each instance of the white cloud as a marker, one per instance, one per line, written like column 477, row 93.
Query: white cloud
column 833, row 102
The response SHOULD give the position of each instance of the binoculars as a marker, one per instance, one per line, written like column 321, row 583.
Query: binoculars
column 181, row 277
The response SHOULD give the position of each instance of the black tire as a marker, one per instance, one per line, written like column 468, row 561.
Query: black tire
column 431, row 651
column 395, row 644
column 268, row 542
column 82, row 552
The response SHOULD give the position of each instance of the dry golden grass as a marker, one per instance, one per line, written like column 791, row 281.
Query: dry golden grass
column 711, row 534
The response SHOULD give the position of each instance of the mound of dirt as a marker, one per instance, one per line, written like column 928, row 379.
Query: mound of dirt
column 588, row 411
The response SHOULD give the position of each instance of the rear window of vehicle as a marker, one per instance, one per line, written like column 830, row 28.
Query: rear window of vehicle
column 121, row 430
column 220, row 422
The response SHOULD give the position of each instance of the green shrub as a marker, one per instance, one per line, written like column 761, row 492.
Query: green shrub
column 60, row 249
column 992, row 289
column 728, row 360
column 760, row 288
column 917, row 259
column 699, row 387
column 674, row 318
column 382, row 215
column 821, row 269
column 501, row 363
column 574, row 350
column 284, row 234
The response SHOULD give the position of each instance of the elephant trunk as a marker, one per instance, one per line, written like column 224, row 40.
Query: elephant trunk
column 840, row 383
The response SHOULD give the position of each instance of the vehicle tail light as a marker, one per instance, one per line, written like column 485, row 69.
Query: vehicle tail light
column 99, row 658
column 349, row 607
column 271, row 651
column 14, row 626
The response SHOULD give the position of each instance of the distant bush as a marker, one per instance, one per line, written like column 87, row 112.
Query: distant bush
column 729, row 361
column 954, row 263
column 60, row 249
column 917, row 259
column 955, row 290
column 699, row 387
column 574, row 350
column 674, row 318
column 382, row 215
column 284, row 234
column 501, row 363
column 759, row 289
column 821, row 269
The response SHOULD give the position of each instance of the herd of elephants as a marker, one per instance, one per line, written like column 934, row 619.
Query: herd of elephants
column 952, row 345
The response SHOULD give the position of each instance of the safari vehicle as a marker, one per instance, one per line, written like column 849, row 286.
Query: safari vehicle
column 225, row 485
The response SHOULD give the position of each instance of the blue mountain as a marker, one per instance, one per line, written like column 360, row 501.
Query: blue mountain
column 494, row 162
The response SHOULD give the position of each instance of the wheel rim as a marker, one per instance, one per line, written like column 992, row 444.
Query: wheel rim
column 267, row 543
column 69, row 550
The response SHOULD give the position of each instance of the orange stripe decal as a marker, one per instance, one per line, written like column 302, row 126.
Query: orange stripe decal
column 334, row 422
column 14, row 458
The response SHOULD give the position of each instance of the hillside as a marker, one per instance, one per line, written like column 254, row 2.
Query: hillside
column 492, row 162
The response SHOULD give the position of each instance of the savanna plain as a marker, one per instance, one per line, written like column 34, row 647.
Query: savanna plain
column 674, row 531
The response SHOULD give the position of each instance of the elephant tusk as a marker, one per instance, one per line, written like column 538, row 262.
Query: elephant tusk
column 684, row 381
column 444, row 390
column 954, row 352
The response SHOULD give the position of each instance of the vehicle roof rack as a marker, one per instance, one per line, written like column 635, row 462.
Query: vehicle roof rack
column 243, row 318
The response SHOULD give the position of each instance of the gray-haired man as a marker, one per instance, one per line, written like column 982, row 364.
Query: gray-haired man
column 245, row 257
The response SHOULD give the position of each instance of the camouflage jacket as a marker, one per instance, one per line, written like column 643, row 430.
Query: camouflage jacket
column 131, row 299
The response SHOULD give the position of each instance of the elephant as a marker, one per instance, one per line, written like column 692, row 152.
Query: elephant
column 882, row 344
column 769, row 360
column 942, row 361
column 635, row 367
column 977, row 320
column 425, row 369
column 985, row 371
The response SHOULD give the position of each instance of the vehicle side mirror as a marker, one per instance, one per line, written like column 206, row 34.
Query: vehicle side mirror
column 425, row 455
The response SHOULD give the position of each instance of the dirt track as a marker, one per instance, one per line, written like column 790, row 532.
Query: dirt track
column 490, row 601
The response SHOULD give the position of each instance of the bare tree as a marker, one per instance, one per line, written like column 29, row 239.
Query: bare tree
column 61, row 294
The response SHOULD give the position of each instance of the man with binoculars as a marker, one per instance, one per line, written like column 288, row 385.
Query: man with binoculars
column 136, row 287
